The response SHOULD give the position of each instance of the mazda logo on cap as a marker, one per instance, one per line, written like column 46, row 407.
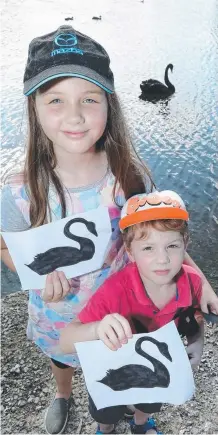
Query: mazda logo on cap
column 66, row 40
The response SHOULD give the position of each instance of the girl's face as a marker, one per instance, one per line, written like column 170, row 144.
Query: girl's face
column 73, row 115
column 159, row 257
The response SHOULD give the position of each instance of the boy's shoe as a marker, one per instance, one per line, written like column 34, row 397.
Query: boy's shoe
column 143, row 428
column 98, row 432
column 57, row 415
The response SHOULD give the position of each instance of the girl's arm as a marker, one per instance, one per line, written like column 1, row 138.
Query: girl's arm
column 5, row 256
column 208, row 295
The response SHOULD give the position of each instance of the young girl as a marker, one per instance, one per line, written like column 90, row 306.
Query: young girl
column 151, row 291
column 79, row 156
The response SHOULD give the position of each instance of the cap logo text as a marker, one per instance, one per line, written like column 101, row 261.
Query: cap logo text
column 67, row 44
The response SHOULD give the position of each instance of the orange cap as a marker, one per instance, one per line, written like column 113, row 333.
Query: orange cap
column 166, row 204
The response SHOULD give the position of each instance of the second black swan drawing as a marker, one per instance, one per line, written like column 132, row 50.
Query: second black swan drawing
column 53, row 258
column 139, row 376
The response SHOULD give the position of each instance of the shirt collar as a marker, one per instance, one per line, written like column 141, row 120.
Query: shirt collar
column 183, row 297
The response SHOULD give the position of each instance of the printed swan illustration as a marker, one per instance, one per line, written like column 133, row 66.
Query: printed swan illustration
column 66, row 255
column 139, row 376
column 153, row 90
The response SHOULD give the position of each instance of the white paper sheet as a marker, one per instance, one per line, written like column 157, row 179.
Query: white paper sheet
column 96, row 359
column 24, row 246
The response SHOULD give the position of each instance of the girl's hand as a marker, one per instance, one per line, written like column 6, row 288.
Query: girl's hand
column 208, row 298
column 56, row 287
column 114, row 330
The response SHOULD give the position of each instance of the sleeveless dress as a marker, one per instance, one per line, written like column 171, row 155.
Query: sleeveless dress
column 47, row 319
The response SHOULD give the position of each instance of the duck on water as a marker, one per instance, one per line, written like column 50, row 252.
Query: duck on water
column 153, row 90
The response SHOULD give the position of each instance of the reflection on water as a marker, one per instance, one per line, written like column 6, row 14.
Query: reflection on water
column 177, row 139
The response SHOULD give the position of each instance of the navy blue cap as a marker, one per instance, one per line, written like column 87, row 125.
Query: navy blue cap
column 67, row 53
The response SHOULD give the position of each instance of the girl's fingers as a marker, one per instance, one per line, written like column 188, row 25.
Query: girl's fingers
column 57, row 285
column 48, row 291
column 56, row 288
column 75, row 283
column 65, row 283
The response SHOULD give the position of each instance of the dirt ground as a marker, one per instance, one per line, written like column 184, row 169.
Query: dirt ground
column 28, row 386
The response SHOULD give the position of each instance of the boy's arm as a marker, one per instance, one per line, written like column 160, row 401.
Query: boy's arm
column 76, row 332
column 113, row 330
column 208, row 295
column 5, row 256
column 98, row 320
column 84, row 328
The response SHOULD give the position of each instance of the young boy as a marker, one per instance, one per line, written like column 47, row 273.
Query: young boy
column 152, row 290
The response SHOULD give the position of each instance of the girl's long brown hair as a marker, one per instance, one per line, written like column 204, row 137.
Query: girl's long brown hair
column 129, row 171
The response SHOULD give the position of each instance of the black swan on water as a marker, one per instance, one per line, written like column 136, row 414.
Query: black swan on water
column 153, row 90
column 139, row 376
column 97, row 18
column 66, row 255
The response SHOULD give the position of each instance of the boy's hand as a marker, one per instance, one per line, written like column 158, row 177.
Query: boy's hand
column 114, row 330
column 194, row 351
column 56, row 287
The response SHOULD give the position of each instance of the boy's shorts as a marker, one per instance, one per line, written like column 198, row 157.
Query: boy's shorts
column 113, row 414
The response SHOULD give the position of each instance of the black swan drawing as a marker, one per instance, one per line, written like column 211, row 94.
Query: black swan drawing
column 66, row 255
column 153, row 90
column 139, row 376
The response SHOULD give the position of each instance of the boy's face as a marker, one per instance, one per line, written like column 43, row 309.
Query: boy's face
column 159, row 257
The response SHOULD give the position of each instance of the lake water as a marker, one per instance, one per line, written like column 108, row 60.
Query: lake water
column 178, row 141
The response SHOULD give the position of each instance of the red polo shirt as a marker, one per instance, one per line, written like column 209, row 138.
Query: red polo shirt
column 124, row 293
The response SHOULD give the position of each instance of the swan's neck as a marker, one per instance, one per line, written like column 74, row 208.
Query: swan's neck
column 166, row 79
column 157, row 364
column 71, row 236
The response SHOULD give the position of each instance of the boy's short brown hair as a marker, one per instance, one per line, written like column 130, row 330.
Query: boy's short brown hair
column 142, row 229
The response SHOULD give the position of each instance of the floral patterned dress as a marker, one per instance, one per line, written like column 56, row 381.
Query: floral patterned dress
column 47, row 319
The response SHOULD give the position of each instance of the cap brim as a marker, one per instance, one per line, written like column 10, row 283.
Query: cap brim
column 82, row 72
column 153, row 214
